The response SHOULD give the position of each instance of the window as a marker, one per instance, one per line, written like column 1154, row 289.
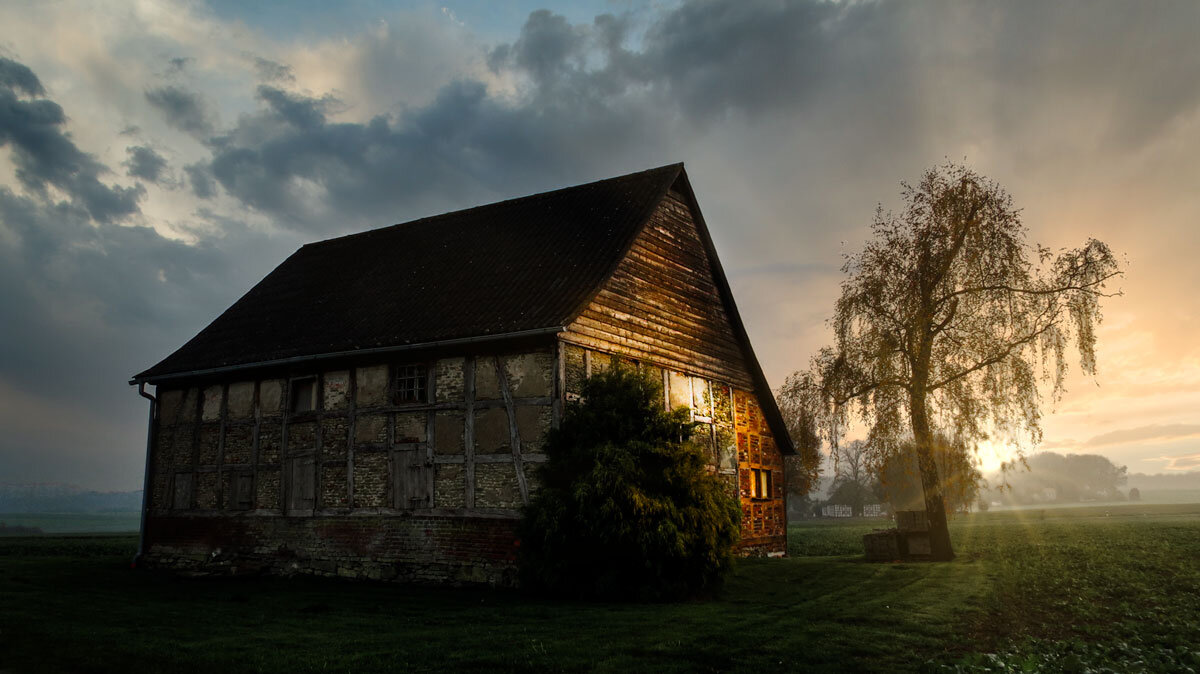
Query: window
column 304, row 395
column 760, row 483
column 411, row 383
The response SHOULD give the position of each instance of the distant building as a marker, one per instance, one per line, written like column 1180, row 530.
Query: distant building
column 376, row 405
column 837, row 511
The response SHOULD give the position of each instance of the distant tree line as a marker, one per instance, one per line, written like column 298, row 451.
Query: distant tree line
column 1060, row 478
column 862, row 476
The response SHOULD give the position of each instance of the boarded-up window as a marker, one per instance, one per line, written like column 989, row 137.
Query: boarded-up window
column 411, row 472
column 181, row 497
column 242, row 490
column 303, row 395
column 302, row 480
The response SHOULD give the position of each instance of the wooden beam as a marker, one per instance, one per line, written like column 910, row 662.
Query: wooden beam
column 469, row 430
column 514, row 433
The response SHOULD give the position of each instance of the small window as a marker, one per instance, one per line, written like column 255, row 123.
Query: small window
column 760, row 483
column 304, row 395
column 411, row 384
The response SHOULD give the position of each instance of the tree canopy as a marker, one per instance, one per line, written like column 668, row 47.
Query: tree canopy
column 948, row 321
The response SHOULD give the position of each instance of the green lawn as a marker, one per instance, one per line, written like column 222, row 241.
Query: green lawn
column 1067, row 590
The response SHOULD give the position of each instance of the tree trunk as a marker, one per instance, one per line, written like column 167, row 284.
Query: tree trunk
column 931, row 484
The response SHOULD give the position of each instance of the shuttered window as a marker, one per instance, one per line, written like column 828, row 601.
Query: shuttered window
column 302, row 480
column 181, row 496
column 411, row 475
column 241, row 495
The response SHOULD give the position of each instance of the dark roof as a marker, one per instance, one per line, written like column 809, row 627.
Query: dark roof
column 514, row 266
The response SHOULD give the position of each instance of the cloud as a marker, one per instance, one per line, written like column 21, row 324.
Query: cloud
column 290, row 162
column 45, row 156
column 88, row 299
column 272, row 71
column 176, row 65
column 301, row 112
column 19, row 78
column 200, row 178
column 182, row 109
column 145, row 163
column 1184, row 462
column 1140, row 434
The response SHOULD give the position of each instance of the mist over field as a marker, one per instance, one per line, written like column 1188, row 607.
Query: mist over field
column 65, row 498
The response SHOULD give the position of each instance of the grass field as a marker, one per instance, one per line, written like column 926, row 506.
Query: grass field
column 1112, row 588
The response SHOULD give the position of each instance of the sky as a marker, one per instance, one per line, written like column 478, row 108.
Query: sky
column 159, row 158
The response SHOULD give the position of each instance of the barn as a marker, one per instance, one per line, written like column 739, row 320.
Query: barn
column 376, row 406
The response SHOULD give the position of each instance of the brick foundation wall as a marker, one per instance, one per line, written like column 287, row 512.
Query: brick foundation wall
column 417, row 548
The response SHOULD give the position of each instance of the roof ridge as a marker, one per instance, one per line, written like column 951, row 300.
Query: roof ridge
column 492, row 204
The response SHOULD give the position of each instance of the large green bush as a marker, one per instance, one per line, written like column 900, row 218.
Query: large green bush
column 628, row 507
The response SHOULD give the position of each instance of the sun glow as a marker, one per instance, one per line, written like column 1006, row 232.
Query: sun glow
column 991, row 455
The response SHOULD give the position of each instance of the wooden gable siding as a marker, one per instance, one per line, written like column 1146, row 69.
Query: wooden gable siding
column 662, row 305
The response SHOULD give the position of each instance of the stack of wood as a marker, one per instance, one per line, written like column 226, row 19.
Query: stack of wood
column 908, row 541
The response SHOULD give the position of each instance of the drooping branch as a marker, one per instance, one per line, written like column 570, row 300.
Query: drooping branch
column 1058, row 290
column 1009, row 348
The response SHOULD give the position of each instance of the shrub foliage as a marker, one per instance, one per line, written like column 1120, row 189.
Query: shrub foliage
column 627, row 506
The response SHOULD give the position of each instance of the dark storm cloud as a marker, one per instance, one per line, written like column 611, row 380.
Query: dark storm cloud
column 548, row 48
column 182, row 109
column 45, row 156
column 751, row 56
column 201, row 180
column 144, row 163
column 18, row 77
column 300, row 112
column 464, row 147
